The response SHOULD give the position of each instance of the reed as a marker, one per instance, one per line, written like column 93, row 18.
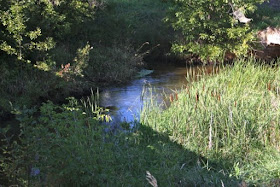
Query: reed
column 230, row 118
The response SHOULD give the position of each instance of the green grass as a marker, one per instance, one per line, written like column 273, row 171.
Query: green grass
column 69, row 146
column 232, row 118
column 136, row 22
column 223, row 130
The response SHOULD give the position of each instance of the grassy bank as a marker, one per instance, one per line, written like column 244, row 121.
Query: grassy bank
column 266, row 16
column 98, row 44
column 67, row 145
column 222, row 131
column 231, row 118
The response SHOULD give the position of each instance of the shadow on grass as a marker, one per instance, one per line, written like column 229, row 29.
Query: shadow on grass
column 171, row 164
column 125, row 159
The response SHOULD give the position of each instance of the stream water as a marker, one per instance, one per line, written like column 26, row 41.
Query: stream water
column 125, row 102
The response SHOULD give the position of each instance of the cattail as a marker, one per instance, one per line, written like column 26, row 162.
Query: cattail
column 188, row 92
column 269, row 86
column 171, row 98
column 176, row 96
column 87, row 123
column 210, row 144
column 197, row 97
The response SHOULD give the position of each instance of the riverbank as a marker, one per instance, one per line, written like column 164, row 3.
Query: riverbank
column 221, row 130
column 231, row 118
column 95, row 55
column 106, row 45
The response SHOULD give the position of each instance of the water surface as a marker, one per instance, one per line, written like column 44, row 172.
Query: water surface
column 125, row 102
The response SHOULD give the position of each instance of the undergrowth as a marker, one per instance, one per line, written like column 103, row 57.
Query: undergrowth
column 104, row 48
column 70, row 145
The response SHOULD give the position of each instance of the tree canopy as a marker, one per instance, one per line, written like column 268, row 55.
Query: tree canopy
column 31, row 28
column 210, row 29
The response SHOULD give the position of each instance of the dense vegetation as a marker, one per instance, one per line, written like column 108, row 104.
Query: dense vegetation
column 54, row 49
column 231, row 118
column 210, row 28
column 213, row 135
column 223, row 130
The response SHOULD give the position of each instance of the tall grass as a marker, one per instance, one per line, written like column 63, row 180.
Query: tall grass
column 232, row 118
column 68, row 146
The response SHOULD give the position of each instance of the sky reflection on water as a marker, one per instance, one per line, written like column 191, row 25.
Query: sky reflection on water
column 125, row 102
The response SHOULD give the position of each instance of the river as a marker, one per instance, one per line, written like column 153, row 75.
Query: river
column 125, row 102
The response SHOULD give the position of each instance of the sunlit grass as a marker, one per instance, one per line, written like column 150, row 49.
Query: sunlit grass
column 232, row 118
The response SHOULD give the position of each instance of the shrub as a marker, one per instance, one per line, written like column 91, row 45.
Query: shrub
column 63, row 145
column 208, row 28
column 113, row 64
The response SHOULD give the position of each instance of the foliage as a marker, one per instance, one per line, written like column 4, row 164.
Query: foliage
column 84, row 52
column 63, row 144
column 80, row 64
column 113, row 64
column 208, row 28
column 139, row 22
column 264, row 17
column 22, row 34
column 67, row 145
column 222, row 130
column 229, row 118
column 30, row 33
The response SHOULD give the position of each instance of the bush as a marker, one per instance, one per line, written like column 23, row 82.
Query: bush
column 63, row 145
column 28, row 39
column 113, row 64
column 208, row 28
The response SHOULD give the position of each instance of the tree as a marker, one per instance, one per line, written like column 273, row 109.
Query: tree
column 16, row 37
column 210, row 28
column 30, row 28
